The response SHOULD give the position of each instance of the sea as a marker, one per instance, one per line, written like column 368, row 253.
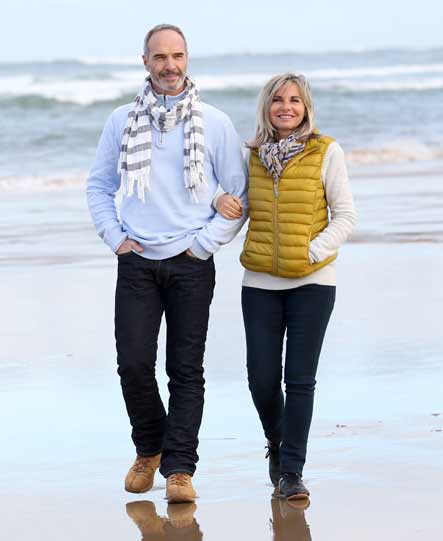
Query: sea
column 385, row 107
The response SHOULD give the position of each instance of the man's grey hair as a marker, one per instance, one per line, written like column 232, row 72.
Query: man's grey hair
column 158, row 28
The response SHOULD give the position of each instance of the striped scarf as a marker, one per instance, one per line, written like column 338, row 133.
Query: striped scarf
column 275, row 155
column 136, row 149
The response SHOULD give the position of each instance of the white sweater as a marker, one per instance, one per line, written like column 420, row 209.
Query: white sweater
column 343, row 216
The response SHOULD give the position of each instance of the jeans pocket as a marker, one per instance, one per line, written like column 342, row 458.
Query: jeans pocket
column 193, row 258
column 124, row 254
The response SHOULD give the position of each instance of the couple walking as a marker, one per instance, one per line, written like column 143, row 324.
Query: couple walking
column 177, row 159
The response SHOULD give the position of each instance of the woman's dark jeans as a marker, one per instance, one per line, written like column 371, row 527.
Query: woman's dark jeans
column 182, row 288
column 303, row 313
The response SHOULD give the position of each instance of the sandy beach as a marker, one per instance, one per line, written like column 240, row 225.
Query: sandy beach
column 375, row 466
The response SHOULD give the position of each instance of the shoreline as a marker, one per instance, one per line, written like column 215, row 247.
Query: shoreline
column 54, row 227
column 76, row 180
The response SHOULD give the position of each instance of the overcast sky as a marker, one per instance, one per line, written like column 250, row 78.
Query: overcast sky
column 56, row 29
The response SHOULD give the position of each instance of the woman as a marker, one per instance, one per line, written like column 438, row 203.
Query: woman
column 301, row 210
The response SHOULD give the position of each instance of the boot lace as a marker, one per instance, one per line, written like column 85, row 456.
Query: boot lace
column 179, row 479
column 142, row 464
column 272, row 448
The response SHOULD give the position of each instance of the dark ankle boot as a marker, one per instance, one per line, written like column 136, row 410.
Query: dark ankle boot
column 292, row 487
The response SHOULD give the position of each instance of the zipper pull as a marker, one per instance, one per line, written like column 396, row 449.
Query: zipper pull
column 275, row 189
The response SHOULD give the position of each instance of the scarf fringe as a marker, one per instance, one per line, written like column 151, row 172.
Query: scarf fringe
column 139, row 185
column 193, row 196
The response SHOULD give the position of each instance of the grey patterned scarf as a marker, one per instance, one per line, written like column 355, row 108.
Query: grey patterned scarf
column 275, row 155
column 136, row 149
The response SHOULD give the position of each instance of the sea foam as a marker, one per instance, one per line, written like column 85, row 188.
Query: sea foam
column 113, row 84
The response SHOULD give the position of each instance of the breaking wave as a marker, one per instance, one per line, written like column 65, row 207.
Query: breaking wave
column 108, row 85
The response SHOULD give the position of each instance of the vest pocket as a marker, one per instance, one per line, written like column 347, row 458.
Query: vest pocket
column 307, row 248
column 244, row 252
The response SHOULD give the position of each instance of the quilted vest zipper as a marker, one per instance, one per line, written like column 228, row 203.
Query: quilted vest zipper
column 275, row 209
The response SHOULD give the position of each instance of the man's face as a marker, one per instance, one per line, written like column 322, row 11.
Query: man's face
column 167, row 62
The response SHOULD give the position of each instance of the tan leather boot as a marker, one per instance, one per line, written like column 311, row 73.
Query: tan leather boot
column 140, row 477
column 179, row 488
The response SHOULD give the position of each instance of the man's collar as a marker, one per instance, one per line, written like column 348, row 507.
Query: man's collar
column 169, row 101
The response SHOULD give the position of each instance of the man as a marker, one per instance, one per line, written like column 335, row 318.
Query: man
column 170, row 152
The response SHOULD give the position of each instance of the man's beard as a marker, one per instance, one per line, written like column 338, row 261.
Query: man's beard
column 164, row 85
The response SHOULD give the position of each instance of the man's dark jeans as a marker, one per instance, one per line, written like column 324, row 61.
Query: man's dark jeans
column 303, row 314
column 182, row 288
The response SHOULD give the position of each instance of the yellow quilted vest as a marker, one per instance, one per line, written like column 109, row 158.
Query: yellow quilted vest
column 285, row 216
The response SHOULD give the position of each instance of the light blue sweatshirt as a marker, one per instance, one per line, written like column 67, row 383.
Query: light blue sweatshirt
column 169, row 223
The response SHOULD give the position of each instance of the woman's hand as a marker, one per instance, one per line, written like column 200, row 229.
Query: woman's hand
column 229, row 206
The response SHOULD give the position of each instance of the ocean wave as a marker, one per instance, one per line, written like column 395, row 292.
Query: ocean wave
column 111, row 84
column 34, row 183
column 80, row 92
column 402, row 150
column 325, row 73
column 112, row 61
column 13, row 84
column 233, row 83
column 89, row 91
column 29, row 102
column 394, row 152
column 349, row 87
column 374, row 71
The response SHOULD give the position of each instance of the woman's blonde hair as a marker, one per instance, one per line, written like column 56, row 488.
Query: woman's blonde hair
column 265, row 130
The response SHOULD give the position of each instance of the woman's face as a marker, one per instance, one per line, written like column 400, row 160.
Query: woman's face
column 287, row 110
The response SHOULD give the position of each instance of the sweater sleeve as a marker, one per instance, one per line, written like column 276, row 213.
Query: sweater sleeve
column 341, row 205
column 103, row 183
column 217, row 196
column 221, row 192
column 230, row 171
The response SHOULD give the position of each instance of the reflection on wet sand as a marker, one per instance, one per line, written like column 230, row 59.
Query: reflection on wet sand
column 288, row 520
column 180, row 523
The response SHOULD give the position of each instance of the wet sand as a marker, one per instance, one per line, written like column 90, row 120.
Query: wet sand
column 375, row 467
